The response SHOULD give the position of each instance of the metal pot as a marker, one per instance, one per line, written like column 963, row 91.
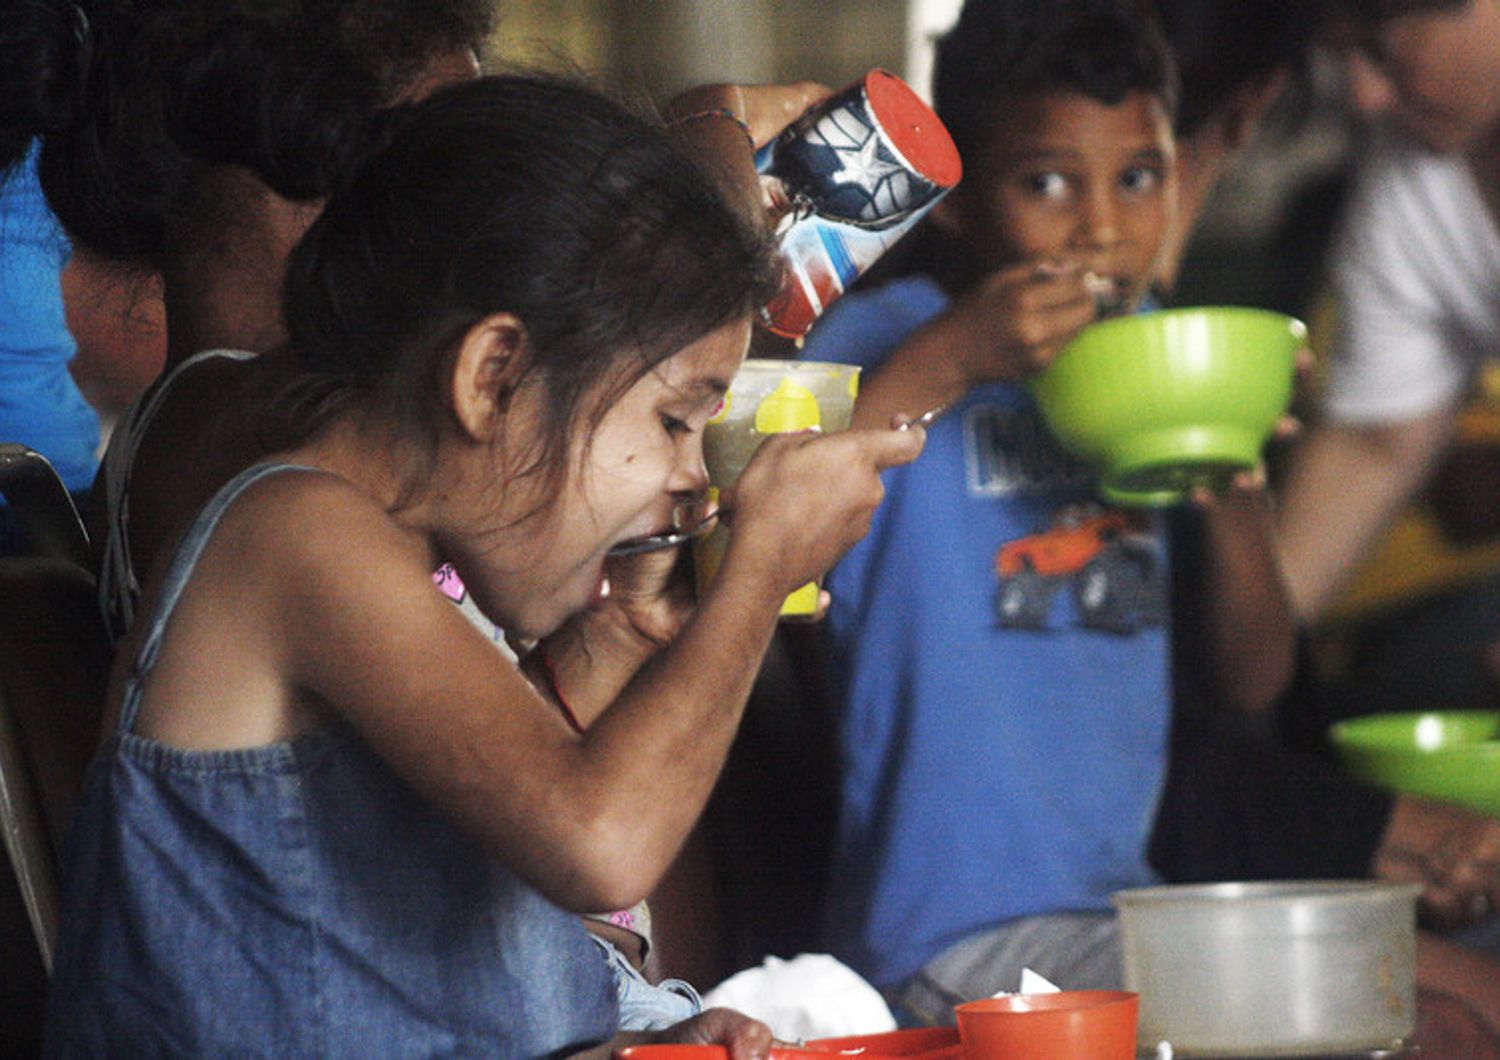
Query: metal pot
column 1295, row 968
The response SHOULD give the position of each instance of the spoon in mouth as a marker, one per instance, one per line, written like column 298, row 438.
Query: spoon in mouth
column 1110, row 296
column 670, row 539
column 677, row 536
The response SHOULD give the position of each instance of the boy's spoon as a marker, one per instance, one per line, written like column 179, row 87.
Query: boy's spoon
column 924, row 420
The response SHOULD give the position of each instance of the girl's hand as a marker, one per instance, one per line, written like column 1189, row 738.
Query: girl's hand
column 771, row 108
column 1014, row 322
column 652, row 592
column 745, row 1038
column 806, row 498
column 763, row 111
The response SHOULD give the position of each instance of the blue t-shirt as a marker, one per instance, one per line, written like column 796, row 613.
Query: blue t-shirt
column 1001, row 662
column 40, row 405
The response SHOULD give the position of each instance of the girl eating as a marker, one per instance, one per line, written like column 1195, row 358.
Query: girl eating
column 328, row 818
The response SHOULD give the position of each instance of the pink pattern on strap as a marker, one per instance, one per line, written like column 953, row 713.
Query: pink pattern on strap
column 449, row 583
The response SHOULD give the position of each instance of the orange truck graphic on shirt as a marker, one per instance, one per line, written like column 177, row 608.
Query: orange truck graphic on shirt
column 1107, row 561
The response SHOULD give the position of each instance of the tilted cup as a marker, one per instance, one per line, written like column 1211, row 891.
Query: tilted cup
column 770, row 397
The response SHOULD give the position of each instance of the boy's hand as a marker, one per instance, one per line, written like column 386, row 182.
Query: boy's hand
column 806, row 498
column 1246, row 490
column 1249, row 489
column 1290, row 426
column 1015, row 321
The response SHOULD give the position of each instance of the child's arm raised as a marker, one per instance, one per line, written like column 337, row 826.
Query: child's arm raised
column 1007, row 327
column 723, row 124
column 591, row 819
column 1241, row 618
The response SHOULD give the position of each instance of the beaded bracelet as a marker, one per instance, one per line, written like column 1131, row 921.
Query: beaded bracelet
column 719, row 112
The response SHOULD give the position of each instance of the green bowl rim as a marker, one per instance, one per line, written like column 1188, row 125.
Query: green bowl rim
column 1138, row 319
column 1345, row 734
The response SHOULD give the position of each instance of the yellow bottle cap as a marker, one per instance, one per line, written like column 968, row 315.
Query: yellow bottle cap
column 790, row 407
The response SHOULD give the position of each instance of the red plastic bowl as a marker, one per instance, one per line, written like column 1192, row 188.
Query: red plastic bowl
column 1068, row 1025
column 925, row 1043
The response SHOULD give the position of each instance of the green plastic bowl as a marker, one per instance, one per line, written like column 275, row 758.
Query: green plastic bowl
column 1166, row 401
column 1449, row 755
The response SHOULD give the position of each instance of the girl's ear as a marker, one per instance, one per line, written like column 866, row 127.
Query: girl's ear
column 491, row 359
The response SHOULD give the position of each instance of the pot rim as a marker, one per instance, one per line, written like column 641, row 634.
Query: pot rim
column 1267, row 892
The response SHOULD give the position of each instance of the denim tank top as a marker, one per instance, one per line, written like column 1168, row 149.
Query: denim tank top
column 297, row 900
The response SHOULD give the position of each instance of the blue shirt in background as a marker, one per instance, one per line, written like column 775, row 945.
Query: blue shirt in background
column 40, row 405
column 1003, row 733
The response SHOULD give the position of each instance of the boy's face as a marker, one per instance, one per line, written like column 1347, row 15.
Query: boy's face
column 1063, row 178
column 1436, row 72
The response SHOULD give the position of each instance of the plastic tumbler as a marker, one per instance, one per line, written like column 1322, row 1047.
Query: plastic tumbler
column 770, row 397
column 851, row 177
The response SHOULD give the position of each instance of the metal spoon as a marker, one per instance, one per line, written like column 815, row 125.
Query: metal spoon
column 671, row 539
column 924, row 420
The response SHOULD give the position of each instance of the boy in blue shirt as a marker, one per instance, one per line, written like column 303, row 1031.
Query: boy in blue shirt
column 1003, row 728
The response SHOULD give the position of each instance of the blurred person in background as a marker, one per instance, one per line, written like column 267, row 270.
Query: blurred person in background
column 1415, row 271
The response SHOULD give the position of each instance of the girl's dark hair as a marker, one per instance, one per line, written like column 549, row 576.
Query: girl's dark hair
column 1223, row 45
column 522, row 194
column 285, row 88
column 1000, row 49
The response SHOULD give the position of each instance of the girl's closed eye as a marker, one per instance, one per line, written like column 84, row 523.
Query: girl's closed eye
column 675, row 426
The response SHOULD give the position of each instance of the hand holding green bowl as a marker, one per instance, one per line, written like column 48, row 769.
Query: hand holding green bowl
column 1448, row 755
column 1168, row 401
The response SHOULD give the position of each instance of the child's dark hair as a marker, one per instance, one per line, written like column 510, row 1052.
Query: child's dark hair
column 1001, row 49
column 133, row 95
column 1223, row 45
column 522, row 194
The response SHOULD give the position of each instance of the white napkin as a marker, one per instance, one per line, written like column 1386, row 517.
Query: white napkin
column 812, row 995
column 1031, row 983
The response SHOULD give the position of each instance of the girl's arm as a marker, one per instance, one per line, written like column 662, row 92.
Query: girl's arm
column 593, row 819
column 723, row 124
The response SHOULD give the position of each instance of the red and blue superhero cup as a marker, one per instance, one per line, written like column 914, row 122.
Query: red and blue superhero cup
column 851, row 176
